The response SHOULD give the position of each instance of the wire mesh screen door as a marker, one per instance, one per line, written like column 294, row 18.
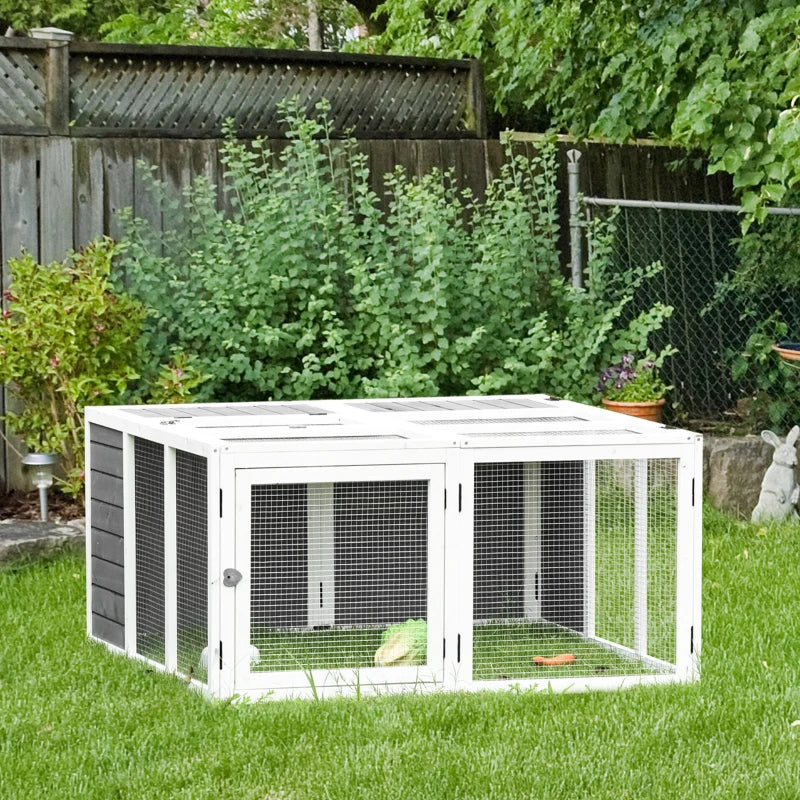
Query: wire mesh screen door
column 342, row 577
column 575, row 569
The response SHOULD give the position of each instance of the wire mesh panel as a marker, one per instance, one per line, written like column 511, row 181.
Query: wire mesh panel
column 279, row 556
column 636, row 557
column 149, row 529
column 334, row 566
column 574, row 568
column 662, row 582
column 380, row 538
column 191, row 533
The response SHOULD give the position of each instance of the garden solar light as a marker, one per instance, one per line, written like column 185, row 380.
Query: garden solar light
column 41, row 467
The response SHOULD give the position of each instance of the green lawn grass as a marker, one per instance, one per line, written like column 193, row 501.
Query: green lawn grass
column 79, row 722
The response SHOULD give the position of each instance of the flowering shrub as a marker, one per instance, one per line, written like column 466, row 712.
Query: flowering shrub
column 632, row 383
column 66, row 341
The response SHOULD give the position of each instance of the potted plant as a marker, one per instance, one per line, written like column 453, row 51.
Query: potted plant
column 788, row 351
column 633, row 388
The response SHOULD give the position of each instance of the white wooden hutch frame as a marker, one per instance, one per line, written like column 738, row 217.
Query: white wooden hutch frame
column 435, row 439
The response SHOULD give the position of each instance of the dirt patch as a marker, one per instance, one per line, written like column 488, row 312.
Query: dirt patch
column 25, row 505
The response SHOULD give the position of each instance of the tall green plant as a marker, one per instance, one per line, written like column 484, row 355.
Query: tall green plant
column 66, row 341
column 305, row 288
column 769, row 387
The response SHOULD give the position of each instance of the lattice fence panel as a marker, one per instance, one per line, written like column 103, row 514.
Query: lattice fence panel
column 187, row 95
column 22, row 87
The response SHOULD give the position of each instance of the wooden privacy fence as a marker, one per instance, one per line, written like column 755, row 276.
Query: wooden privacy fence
column 89, row 89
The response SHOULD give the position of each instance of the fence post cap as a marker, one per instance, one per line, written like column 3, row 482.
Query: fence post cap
column 53, row 34
column 573, row 156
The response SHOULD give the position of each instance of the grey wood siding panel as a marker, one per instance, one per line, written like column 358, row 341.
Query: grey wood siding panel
column 107, row 517
column 108, row 630
column 110, row 604
column 108, row 576
column 118, row 167
column 106, row 459
column 147, row 155
column 107, row 488
column 103, row 435
column 107, row 543
column 108, row 546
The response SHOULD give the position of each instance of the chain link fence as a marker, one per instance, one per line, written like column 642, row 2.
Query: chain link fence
column 698, row 248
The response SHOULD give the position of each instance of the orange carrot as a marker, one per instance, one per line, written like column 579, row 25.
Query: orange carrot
column 554, row 661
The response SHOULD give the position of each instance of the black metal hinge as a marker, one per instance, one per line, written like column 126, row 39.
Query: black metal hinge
column 459, row 497
column 445, row 499
column 220, row 503
column 692, row 491
column 444, row 647
column 691, row 639
column 220, row 655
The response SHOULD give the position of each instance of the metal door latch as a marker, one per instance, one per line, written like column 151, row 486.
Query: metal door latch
column 230, row 577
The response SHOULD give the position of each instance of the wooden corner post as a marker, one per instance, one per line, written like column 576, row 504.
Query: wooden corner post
column 476, row 100
column 56, row 78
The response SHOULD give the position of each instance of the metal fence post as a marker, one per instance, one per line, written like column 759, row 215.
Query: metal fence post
column 575, row 225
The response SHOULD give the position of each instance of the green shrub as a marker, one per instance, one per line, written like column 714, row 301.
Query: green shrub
column 66, row 341
column 769, row 387
column 305, row 288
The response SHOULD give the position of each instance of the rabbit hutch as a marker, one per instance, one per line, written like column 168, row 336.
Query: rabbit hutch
column 340, row 547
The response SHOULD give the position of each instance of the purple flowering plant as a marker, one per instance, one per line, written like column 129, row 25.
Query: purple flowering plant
column 631, row 381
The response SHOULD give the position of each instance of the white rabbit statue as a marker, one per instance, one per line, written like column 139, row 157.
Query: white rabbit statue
column 779, row 489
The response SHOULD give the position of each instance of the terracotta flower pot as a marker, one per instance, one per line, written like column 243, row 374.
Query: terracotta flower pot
column 649, row 410
column 788, row 351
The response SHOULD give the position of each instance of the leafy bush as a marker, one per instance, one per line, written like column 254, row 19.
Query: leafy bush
column 720, row 77
column 66, row 341
column 176, row 382
column 305, row 288
column 770, row 388
column 278, row 24
column 762, row 293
